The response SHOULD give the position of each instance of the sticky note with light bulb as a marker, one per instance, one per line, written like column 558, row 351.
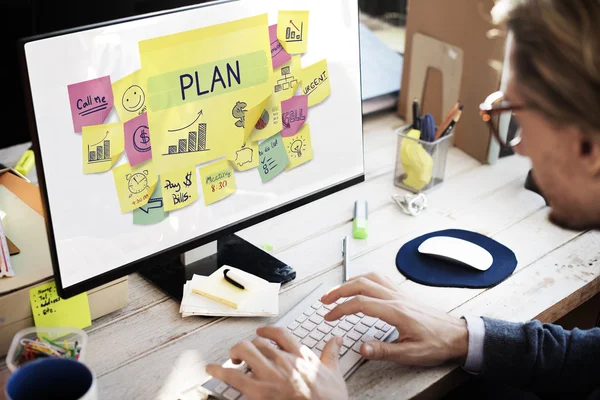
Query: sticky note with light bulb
column 299, row 147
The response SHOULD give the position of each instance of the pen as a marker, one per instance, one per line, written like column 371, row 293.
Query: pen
column 26, row 162
column 346, row 261
column 447, row 121
column 450, row 127
column 231, row 280
column 415, row 114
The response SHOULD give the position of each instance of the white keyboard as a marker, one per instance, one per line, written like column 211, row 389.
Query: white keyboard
column 305, row 321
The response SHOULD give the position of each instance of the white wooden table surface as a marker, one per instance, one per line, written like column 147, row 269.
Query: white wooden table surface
column 147, row 351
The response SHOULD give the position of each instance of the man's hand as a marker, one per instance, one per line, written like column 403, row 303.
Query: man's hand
column 288, row 372
column 427, row 337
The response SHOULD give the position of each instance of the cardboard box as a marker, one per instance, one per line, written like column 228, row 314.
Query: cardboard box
column 464, row 24
column 26, row 227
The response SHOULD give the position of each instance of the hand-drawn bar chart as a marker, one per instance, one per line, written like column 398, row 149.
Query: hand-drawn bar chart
column 294, row 35
column 195, row 142
column 100, row 152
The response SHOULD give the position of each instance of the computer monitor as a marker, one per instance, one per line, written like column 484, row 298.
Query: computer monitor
column 158, row 134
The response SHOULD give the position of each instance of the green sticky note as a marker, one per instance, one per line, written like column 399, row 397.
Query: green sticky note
column 152, row 212
column 50, row 310
column 272, row 157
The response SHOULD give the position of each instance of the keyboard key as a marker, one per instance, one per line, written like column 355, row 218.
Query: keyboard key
column 340, row 300
column 360, row 315
column 338, row 332
column 345, row 326
column 379, row 335
column 309, row 312
column 317, row 305
column 354, row 335
column 348, row 342
column 300, row 319
column 343, row 350
column 316, row 319
column 231, row 394
column 367, row 338
column 322, row 311
column 357, row 346
column 309, row 326
column 386, row 327
column 221, row 387
column 320, row 346
column 327, row 337
column 318, row 335
column 317, row 352
column 379, row 324
column 301, row 332
column 353, row 319
column 330, row 306
column 368, row 321
column 293, row 326
column 349, row 360
column 333, row 323
column 309, row 342
column 361, row 328
column 324, row 328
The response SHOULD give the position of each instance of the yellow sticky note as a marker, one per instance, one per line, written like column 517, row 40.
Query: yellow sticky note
column 299, row 147
column 269, row 122
column 287, row 78
column 315, row 82
column 292, row 31
column 134, row 185
column 253, row 116
column 102, row 145
column 130, row 96
column 246, row 157
column 49, row 309
column 198, row 100
column 218, row 181
column 180, row 188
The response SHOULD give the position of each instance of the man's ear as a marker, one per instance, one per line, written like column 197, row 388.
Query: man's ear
column 590, row 154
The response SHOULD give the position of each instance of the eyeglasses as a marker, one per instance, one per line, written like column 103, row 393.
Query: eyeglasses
column 496, row 110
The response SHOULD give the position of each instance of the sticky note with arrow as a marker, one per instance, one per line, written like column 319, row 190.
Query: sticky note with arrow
column 153, row 212
column 292, row 31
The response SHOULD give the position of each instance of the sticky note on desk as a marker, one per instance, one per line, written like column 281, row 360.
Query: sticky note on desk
column 49, row 309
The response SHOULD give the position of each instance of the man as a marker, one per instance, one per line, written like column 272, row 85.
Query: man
column 554, row 92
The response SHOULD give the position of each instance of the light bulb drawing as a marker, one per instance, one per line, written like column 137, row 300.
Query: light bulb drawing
column 296, row 147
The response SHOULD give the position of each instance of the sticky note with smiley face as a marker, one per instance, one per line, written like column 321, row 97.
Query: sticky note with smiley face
column 130, row 96
column 134, row 185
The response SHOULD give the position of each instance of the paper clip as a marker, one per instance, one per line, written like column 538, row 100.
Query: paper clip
column 411, row 204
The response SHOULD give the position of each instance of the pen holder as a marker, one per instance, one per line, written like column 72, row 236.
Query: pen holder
column 420, row 165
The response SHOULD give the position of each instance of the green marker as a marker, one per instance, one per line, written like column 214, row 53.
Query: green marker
column 361, row 222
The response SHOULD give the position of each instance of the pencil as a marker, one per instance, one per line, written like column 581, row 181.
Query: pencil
column 446, row 122
column 452, row 124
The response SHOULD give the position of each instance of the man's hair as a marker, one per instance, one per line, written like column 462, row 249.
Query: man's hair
column 556, row 57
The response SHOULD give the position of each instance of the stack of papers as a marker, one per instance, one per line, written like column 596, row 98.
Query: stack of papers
column 260, row 299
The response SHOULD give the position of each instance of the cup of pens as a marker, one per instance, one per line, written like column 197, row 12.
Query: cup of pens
column 43, row 359
column 423, row 149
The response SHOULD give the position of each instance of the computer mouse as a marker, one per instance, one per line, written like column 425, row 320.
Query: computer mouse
column 457, row 250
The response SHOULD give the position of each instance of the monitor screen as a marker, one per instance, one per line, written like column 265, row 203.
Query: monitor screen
column 160, row 133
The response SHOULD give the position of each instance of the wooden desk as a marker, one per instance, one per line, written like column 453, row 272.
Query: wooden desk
column 147, row 351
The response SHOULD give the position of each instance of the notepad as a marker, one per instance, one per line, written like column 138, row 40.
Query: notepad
column 264, row 304
column 217, row 288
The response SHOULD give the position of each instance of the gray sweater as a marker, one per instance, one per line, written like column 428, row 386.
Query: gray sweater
column 542, row 358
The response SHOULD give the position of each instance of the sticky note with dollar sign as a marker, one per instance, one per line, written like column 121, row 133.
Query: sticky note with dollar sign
column 180, row 188
column 137, row 140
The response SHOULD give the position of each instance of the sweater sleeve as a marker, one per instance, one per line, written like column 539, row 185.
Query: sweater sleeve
column 541, row 358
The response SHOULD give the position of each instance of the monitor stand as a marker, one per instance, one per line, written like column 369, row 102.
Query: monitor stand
column 230, row 250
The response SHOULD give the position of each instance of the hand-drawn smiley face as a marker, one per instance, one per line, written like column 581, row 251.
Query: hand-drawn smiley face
column 133, row 98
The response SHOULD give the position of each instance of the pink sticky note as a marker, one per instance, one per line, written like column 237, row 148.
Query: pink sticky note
column 137, row 139
column 91, row 102
column 293, row 114
column 278, row 53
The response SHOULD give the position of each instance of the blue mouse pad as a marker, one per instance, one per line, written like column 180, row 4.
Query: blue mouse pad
column 431, row 271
